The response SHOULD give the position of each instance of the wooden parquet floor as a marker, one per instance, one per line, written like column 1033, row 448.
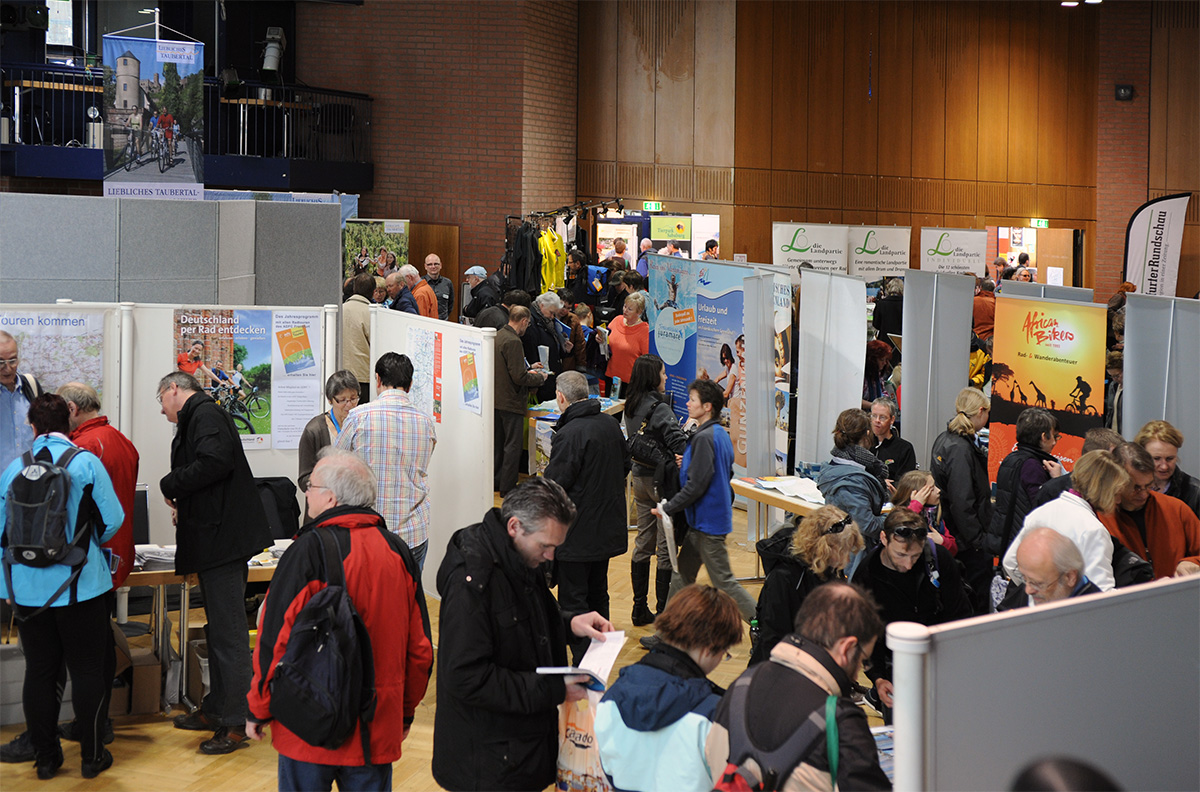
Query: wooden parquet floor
column 151, row 755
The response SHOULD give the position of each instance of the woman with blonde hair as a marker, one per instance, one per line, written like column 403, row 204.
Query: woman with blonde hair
column 1163, row 441
column 959, row 467
column 1097, row 483
column 798, row 558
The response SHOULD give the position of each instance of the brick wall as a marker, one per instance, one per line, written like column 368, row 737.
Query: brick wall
column 1123, row 135
column 451, row 106
column 549, row 99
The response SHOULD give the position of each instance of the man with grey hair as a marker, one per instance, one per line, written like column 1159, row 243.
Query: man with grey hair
column 544, row 331
column 496, row 721
column 219, row 525
column 17, row 392
column 383, row 582
column 590, row 460
column 443, row 289
column 643, row 263
column 400, row 297
column 1052, row 567
column 427, row 304
column 894, row 452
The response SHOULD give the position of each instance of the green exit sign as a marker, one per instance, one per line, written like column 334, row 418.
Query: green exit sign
column 651, row 206
column 1040, row 223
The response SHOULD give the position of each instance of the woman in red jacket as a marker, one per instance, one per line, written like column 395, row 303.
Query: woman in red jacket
column 628, row 338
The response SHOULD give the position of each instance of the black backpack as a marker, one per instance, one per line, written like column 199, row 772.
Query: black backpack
column 325, row 683
column 35, row 533
column 774, row 767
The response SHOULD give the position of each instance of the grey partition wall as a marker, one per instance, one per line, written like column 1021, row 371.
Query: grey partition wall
column 297, row 253
column 759, row 328
column 168, row 251
column 1112, row 679
column 154, row 251
column 57, row 247
column 1022, row 289
column 937, row 354
column 1162, row 369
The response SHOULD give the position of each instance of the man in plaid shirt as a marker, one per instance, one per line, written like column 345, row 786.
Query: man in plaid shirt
column 397, row 440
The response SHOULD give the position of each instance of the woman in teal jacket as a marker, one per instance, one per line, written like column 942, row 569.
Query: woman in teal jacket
column 75, row 626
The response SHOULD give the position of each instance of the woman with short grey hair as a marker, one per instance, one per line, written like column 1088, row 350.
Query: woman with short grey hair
column 341, row 391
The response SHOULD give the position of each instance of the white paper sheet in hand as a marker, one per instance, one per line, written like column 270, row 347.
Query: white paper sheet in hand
column 668, row 532
column 601, row 656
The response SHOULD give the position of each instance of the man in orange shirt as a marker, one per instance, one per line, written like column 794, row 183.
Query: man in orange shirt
column 1159, row 528
column 984, row 310
column 421, row 290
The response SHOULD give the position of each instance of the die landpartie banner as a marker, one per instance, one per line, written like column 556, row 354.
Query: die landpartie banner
column 825, row 247
column 1046, row 354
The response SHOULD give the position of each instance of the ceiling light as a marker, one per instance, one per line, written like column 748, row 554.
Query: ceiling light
column 1070, row 3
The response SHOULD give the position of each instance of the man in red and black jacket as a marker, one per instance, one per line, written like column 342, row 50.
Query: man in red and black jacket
column 385, row 586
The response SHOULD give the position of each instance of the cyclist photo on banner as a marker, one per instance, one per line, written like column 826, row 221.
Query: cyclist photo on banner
column 229, row 352
column 153, row 117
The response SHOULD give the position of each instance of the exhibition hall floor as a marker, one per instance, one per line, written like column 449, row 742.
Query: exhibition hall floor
column 152, row 755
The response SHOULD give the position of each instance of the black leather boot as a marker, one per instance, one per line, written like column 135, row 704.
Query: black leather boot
column 662, row 587
column 639, row 574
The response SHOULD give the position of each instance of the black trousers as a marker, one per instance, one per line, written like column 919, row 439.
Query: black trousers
column 509, row 436
column 223, row 589
column 582, row 587
column 79, row 635
column 978, row 568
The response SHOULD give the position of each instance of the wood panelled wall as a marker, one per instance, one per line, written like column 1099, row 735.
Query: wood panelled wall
column 923, row 113
column 1175, row 123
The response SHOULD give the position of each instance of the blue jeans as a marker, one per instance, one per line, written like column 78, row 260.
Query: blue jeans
column 297, row 776
column 418, row 554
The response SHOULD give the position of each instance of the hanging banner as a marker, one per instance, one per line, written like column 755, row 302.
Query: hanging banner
column 825, row 247
column 721, row 344
column 672, row 316
column 231, row 352
column 153, row 118
column 1046, row 354
column 672, row 228
column 425, row 352
column 296, row 386
column 1152, row 243
column 704, row 228
column 879, row 251
column 376, row 247
column 59, row 347
column 957, row 251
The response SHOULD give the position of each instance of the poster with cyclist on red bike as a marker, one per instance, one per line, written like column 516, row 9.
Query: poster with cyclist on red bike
column 1051, row 355
column 153, row 117
column 229, row 352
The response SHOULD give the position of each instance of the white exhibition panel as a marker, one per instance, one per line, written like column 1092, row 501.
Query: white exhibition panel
column 154, row 358
column 937, row 354
column 830, row 358
column 1112, row 679
column 1162, row 369
column 1011, row 288
column 460, row 472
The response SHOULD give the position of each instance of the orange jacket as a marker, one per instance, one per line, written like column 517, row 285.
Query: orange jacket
column 426, row 299
column 1172, row 533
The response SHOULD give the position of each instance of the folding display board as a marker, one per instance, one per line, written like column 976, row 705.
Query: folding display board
column 1162, row 378
column 937, row 352
column 830, row 357
column 1109, row 679
column 453, row 378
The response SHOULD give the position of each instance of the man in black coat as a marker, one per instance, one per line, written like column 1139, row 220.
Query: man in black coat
column 219, row 525
column 496, row 722
column 590, row 460
column 484, row 294
column 912, row 579
column 889, row 447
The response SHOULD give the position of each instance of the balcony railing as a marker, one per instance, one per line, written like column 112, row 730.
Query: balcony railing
column 64, row 106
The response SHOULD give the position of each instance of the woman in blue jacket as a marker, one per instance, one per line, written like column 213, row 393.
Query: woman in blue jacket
column 652, row 723
column 75, row 626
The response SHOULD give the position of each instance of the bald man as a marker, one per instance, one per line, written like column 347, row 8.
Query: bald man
column 443, row 289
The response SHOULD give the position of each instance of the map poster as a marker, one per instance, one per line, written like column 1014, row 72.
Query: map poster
column 469, row 350
column 425, row 352
column 1047, row 354
column 230, row 352
column 59, row 347
column 297, row 389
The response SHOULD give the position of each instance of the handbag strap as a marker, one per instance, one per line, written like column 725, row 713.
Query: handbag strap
column 831, row 738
